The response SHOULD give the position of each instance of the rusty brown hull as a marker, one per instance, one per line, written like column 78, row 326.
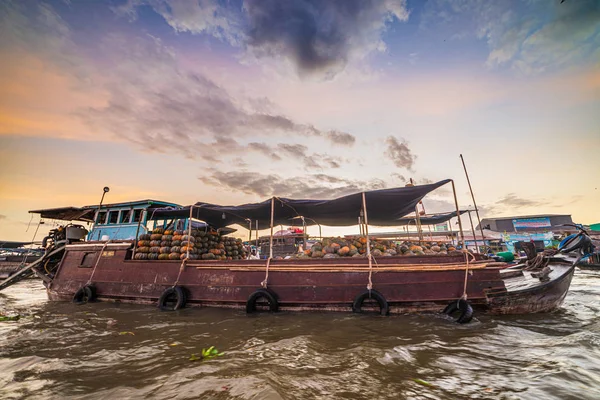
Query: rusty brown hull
column 542, row 298
column 299, row 284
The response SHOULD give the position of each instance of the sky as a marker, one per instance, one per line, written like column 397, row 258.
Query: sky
column 236, row 101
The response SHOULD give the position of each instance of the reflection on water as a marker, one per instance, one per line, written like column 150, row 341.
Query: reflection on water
column 106, row 350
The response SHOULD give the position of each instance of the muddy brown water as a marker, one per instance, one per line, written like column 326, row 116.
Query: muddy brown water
column 119, row 351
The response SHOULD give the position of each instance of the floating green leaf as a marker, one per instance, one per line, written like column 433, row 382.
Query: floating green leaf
column 9, row 318
column 422, row 382
column 194, row 358
column 127, row 333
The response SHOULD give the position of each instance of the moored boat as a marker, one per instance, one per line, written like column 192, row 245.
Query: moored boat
column 82, row 271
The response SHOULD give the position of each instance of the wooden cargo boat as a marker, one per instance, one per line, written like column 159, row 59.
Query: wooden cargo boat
column 85, row 271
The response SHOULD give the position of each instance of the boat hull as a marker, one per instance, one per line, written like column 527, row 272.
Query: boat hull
column 408, row 283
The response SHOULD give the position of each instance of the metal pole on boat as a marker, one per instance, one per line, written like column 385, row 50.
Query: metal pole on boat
column 271, row 238
column 187, row 256
column 105, row 190
column 473, row 230
column 460, row 228
column 137, row 232
column 249, row 230
column 473, row 197
column 256, row 236
column 418, row 223
column 451, row 231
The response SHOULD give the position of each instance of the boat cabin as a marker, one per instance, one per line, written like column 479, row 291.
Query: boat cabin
column 125, row 221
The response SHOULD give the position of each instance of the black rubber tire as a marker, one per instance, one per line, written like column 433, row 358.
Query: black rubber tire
column 465, row 309
column 264, row 293
column 180, row 299
column 384, row 308
column 84, row 295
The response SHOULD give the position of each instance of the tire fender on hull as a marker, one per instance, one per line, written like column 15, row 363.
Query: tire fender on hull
column 172, row 299
column 85, row 294
column 384, row 308
column 268, row 295
column 462, row 306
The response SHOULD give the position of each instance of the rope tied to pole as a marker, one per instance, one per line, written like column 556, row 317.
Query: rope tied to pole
column 467, row 256
column 89, row 282
column 264, row 283
column 181, row 268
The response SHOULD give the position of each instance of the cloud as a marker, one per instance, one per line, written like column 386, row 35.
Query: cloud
column 317, row 37
column 399, row 153
column 162, row 108
column 512, row 200
column 319, row 186
column 340, row 138
column 528, row 36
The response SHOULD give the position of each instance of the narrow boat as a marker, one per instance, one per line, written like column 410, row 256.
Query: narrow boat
column 82, row 271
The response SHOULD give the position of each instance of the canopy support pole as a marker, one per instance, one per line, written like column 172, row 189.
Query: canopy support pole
column 473, row 197
column 187, row 253
column 256, row 236
column 137, row 233
column 249, row 230
column 271, row 237
column 369, row 256
column 418, row 223
column 462, row 235
column 473, row 230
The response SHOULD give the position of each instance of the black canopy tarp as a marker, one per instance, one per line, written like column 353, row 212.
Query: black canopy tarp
column 385, row 207
column 67, row 213
column 433, row 219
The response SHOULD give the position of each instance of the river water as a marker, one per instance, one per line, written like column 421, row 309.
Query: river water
column 117, row 351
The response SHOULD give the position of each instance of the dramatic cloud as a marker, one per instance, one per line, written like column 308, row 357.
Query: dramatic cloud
column 319, row 186
column 318, row 37
column 162, row 108
column 399, row 153
column 529, row 36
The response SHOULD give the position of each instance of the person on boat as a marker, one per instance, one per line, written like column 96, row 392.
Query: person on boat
column 253, row 255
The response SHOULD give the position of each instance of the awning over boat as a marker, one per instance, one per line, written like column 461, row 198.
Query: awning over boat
column 433, row 219
column 385, row 207
column 67, row 213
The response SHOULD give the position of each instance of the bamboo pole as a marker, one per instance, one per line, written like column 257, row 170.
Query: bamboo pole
column 462, row 235
column 366, row 219
column 272, row 218
column 137, row 232
column 473, row 197
column 187, row 255
column 473, row 231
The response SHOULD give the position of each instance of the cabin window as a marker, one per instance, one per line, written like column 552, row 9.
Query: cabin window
column 88, row 260
column 125, row 216
column 101, row 218
column 137, row 215
column 113, row 217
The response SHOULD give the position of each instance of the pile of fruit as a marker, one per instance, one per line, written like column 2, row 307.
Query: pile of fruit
column 164, row 244
column 340, row 247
